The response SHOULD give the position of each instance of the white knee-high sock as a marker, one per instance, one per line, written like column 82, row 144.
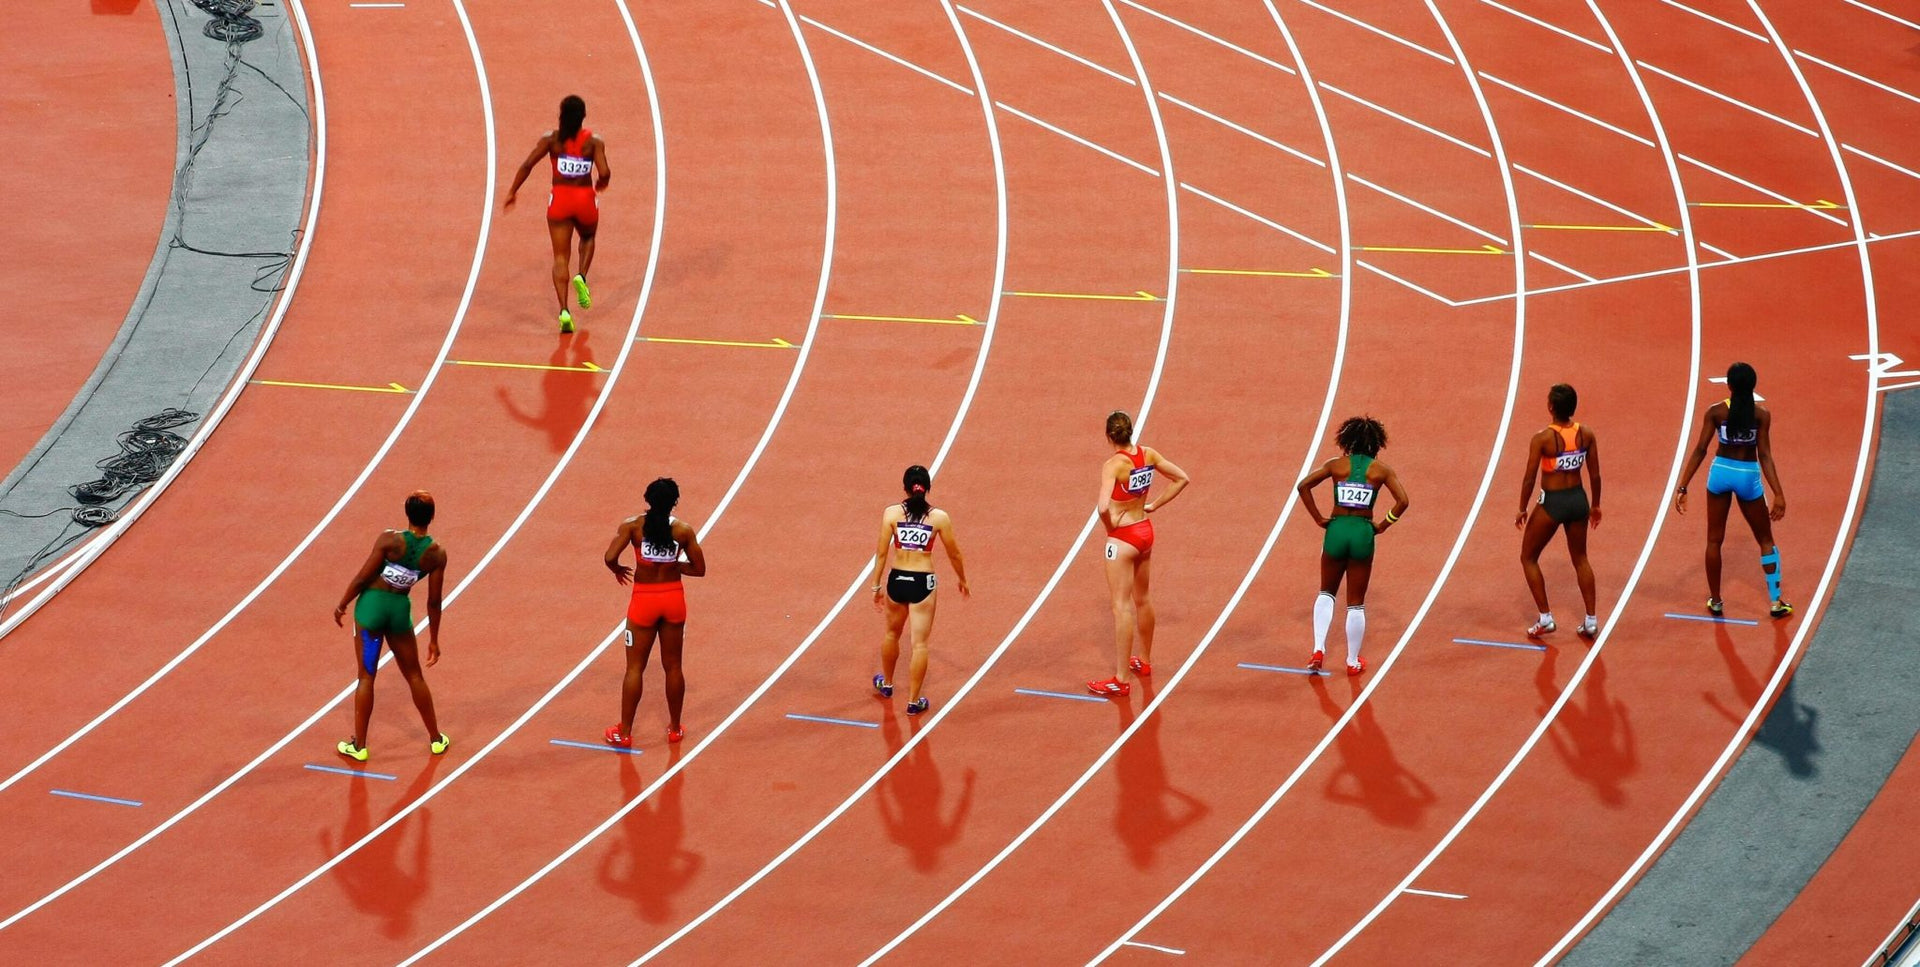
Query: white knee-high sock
column 1322, row 620
column 1356, row 629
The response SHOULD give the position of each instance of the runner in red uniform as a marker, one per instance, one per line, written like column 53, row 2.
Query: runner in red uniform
column 1124, row 481
column 575, row 155
column 664, row 549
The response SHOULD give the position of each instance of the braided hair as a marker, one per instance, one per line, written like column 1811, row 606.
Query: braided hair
column 1740, row 381
column 657, row 527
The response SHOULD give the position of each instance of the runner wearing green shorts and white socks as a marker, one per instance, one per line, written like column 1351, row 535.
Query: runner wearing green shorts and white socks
column 1347, row 550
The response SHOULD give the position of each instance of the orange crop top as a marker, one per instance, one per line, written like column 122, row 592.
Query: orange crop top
column 1570, row 458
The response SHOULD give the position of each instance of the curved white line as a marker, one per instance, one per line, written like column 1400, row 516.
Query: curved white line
column 70, row 566
column 1253, row 569
column 1453, row 555
column 1765, row 701
column 1146, row 407
column 466, row 297
column 1681, row 438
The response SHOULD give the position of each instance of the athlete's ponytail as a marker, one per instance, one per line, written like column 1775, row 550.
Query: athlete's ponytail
column 1119, row 428
column 573, row 113
column 657, row 527
column 1740, row 381
column 916, row 482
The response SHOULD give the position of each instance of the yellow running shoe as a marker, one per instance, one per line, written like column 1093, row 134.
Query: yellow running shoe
column 355, row 752
column 566, row 321
column 580, row 292
column 440, row 744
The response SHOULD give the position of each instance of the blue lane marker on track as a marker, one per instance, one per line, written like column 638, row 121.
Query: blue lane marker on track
column 595, row 746
column 94, row 798
column 1254, row 667
column 1710, row 619
column 832, row 721
column 352, row 772
column 1047, row 694
column 1498, row 644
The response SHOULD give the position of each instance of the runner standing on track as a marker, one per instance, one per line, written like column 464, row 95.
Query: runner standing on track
column 1556, row 455
column 664, row 549
column 398, row 561
column 576, row 155
column 1745, row 455
column 907, row 532
column 1124, row 481
column 1347, row 550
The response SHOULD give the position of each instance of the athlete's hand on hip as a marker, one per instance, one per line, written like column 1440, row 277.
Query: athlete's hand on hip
column 1779, row 507
column 1380, row 526
column 1680, row 502
column 1149, row 507
column 433, row 652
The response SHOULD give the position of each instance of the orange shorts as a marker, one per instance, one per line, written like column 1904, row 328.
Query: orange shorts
column 655, row 603
column 574, row 202
column 1139, row 534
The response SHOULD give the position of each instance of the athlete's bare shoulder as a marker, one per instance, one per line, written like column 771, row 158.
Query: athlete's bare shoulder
column 893, row 513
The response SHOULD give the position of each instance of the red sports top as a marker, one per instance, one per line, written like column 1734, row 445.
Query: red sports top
column 569, row 161
column 1139, row 480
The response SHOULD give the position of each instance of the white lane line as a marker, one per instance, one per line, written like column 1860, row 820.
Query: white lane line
column 1494, row 455
column 365, row 6
column 1702, row 14
column 1596, row 199
column 1723, row 253
column 1862, row 78
column 1807, row 621
column 853, row 587
column 1253, row 569
column 1029, row 38
column 1437, row 893
column 1570, row 270
column 1262, row 219
column 1770, row 193
column 1249, row 132
column 1115, row 155
column 1879, row 12
column 1582, row 115
column 1730, row 99
column 1402, row 41
column 1562, row 31
column 1909, row 172
column 1165, row 950
column 1436, row 132
column 1681, row 438
column 433, row 371
column 1435, row 212
column 909, row 65
column 1389, row 276
column 1230, row 45
column 966, row 688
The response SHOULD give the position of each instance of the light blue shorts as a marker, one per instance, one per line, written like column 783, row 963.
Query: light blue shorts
column 1738, row 477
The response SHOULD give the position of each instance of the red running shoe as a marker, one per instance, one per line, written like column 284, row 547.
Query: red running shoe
column 1315, row 660
column 1111, row 687
column 1356, row 668
column 617, row 738
column 676, row 733
column 1140, row 666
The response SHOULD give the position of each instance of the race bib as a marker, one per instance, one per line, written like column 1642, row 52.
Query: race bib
column 399, row 575
column 1140, row 481
column 1570, row 461
column 913, row 536
column 660, row 553
column 572, row 167
column 1353, row 494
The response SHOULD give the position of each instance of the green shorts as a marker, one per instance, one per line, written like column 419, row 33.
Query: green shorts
column 383, row 612
column 1349, row 539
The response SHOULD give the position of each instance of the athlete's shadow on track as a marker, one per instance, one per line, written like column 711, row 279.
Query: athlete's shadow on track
column 1143, row 818
column 650, row 867
column 373, row 879
column 1788, row 727
column 909, row 801
column 568, row 394
column 1369, row 775
column 1598, row 745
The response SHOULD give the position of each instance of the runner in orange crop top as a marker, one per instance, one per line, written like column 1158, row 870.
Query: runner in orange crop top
column 903, row 581
column 664, row 549
column 576, row 155
column 1125, row 480
column 1556, row 455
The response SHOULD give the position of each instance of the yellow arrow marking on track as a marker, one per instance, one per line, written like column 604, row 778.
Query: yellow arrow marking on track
column 1139, row 295
column 1655, row 227
column 389, row 388
column 1821, row 205
column 1311, row 274
column 582, row 368
column 777, row 343
column 959, row 320
column 1482, row 250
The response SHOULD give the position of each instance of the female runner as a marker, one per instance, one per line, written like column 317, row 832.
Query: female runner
column 575, row 154
column 907, row 531
column 664, row 549
column 398, row 561
column 1124, row 481
column 1347, row 549
column 1744, row 456
column 1557, row 454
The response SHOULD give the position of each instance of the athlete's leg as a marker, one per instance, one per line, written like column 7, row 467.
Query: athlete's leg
column 366, row 656
column 890, row 645
column 672, row 637
column 1540, row 528
column 1717, row 505
column 1143, row 607
column 586, row 248
column 406, row 655
column 562, row 234
column 1120, row 560
column 1359, row 573
column 921, row 618
column 1755, row 511
column 1582, row 571
column 1331, row 570
column 639, row 642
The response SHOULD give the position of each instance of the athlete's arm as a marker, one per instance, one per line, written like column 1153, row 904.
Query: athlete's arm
column 600, row 162
column 943, row 522
column 1173, row 472
column 1305, row 489
column 540, row 150
column 880, row 556
column 1694, row 457
column 364, row 576
column 622, row 539
column 1593, row 471
column 1400, row 501
column 1105, row 504
column 696, row 563
column 1765, row 420
column 435, row 578
column 1535, row 449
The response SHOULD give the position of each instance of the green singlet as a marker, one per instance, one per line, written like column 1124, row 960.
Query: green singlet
column 1349, row 536
column 381, row 611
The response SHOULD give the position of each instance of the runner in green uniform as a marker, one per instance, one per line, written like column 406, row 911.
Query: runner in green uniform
column 1347, row 550
column 398, row 561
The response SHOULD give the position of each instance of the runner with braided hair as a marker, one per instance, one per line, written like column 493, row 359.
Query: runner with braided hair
column 1347, row 549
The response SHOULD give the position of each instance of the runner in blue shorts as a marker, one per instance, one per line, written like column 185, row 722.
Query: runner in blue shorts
column 1744, row 457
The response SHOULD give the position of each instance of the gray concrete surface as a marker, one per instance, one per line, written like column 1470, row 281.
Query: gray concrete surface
column 240, row 184
column 1838, row 728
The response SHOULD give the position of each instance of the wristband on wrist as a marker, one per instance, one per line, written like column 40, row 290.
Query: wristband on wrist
column 1391, row 519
